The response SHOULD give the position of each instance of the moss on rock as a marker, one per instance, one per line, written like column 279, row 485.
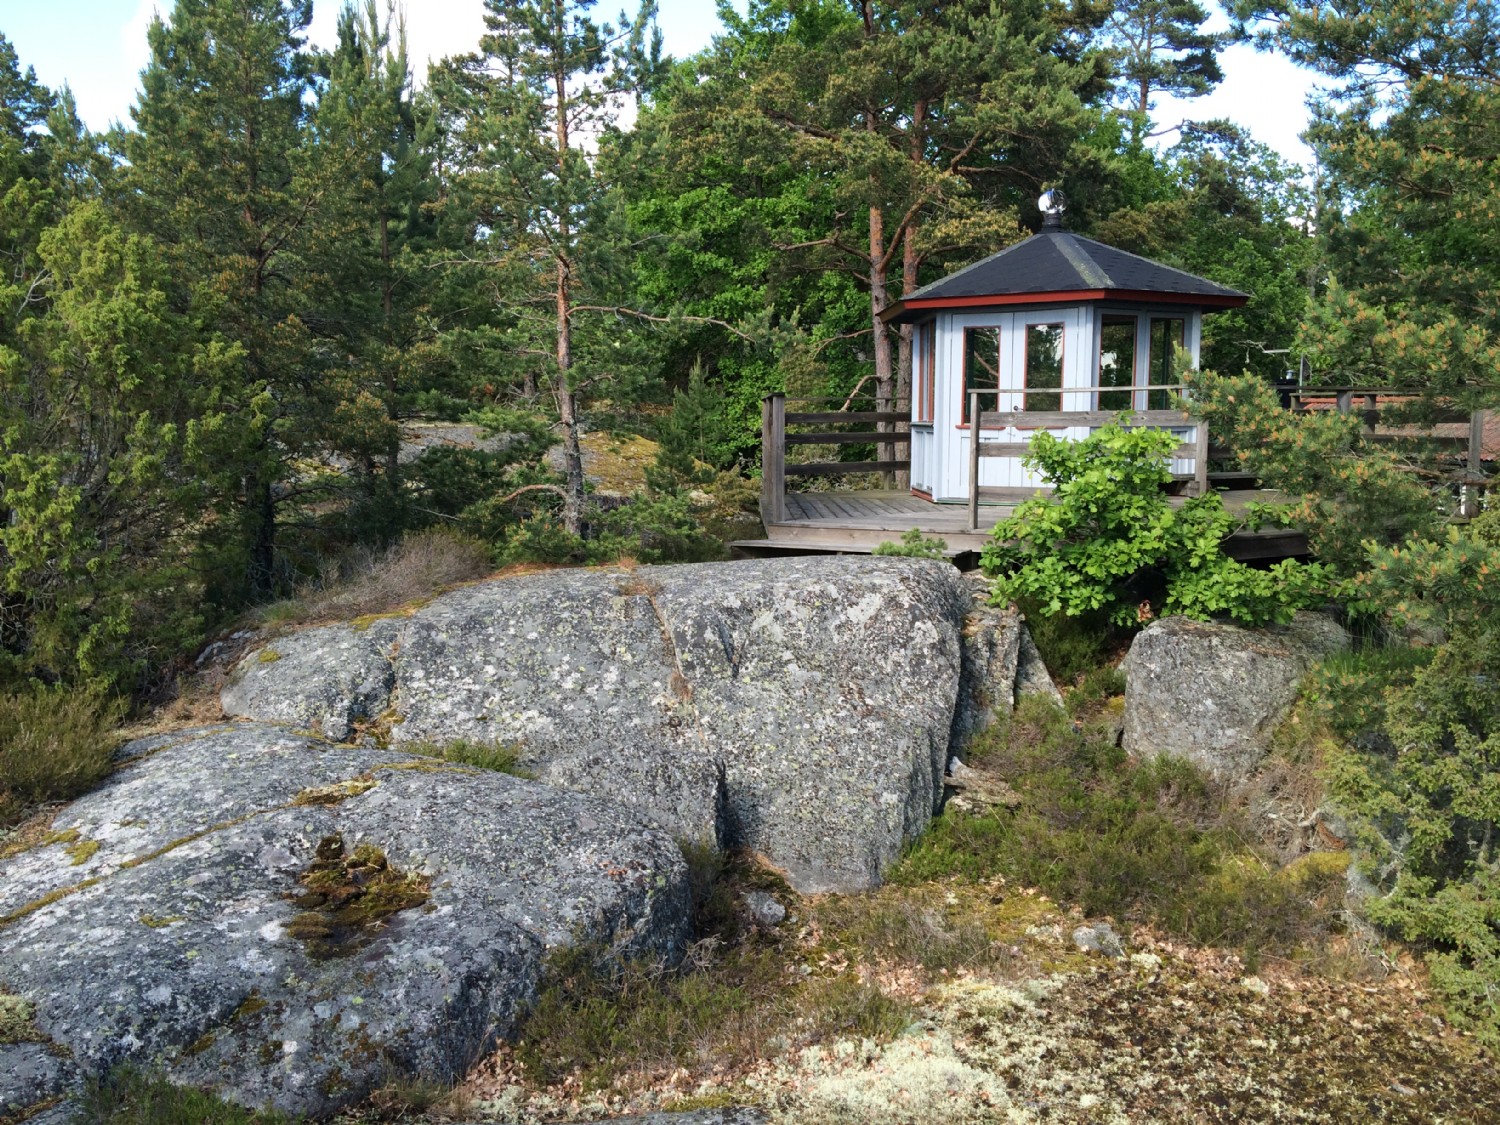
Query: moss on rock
column 347, row 898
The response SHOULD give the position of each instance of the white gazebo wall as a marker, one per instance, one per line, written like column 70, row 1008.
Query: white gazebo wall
column 940, row 449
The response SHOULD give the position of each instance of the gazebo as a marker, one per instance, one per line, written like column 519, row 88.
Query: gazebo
column 1059, row 333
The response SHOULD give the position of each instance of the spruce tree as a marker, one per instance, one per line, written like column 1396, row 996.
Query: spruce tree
column 221, row 177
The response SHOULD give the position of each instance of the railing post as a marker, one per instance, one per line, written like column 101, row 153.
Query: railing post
column 773, row 459
column 974, row 420
column 1474, row 486
column 1200, row 458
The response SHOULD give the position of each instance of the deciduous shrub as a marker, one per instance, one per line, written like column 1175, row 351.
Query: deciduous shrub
column 1108, row 540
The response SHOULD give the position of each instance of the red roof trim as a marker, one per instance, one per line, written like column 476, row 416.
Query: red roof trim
column 1068, row 296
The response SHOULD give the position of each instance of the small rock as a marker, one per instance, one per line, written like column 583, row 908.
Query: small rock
column 1256, row 985
column 764, row 910
column 1050, row 935
column 1099, row 938
column 980, row 787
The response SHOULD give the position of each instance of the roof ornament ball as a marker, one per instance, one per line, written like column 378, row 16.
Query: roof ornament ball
column 1052, row 204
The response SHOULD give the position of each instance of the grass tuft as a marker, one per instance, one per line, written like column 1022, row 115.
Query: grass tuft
column 54, row 745
column 367, row 582
column 499, row 757
column 130, row 1097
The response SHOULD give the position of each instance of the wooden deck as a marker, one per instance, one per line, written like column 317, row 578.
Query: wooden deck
column 855, row 523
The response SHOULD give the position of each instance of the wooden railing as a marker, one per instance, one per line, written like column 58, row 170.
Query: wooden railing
column 1197, row 450
column 1386, row 405
column 783, row 430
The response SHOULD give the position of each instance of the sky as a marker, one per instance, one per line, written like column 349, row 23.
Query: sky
column 98, row 47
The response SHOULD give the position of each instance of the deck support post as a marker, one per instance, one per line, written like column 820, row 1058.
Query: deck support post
column 1200, row 458
column 773, row 459
column 1474, row 485
column 974, row 432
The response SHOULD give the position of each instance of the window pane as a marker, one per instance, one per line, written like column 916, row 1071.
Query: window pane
column 1168, row 334
column 1044, row 362
column 1116, row 361
column 981, row 365
column 927, row 367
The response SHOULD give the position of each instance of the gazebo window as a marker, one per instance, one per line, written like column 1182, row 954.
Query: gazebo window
column 926, row 372
column 981, row 364
column 1168, row 335
column 1116, row 361
column 1044, row 367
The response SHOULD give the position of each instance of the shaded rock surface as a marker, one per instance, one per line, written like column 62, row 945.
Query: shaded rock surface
column 179, row 937
column 1213, row 693
column 991, row 652
column 345, row 669
column 1032, row 677
column 802, row 708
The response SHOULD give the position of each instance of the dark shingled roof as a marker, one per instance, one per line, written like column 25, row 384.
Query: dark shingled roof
column 1058, row 261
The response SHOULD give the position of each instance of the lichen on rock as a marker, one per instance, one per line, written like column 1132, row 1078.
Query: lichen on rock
column 801, row 708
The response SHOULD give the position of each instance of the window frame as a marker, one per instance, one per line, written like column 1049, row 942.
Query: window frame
column 1062, row 365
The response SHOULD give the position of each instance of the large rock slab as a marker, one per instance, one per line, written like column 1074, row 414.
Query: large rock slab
column 799, row 707
column 827, row 695
column 1213, row 693
column 167, row 920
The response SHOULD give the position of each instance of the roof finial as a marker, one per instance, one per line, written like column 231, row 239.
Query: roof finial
column 1052, row 204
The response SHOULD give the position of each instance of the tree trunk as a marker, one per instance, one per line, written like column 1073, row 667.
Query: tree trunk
column 885, row 367
column 392, row 383
column 567, row 401
column 261, row 501
column 567, row 408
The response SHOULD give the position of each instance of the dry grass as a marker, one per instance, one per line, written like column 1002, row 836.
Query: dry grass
column 365, row 582
column 54, row 744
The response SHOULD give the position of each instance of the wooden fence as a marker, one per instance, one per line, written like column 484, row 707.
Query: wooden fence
column 783, row 431
column 1378, row 408
column 1381, row 410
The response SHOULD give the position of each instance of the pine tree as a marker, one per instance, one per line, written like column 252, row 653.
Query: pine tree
column 370, row 146
column 1160, row 47
column 94, row 390
column 926, row 127
column 1407, row 139
column 526, row 114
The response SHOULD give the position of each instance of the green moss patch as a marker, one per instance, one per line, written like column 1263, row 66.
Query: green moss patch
column 336, row 793
column 348, row 896
column 82, row 851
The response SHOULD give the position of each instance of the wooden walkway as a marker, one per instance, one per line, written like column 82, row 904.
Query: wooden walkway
column 856, row 523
